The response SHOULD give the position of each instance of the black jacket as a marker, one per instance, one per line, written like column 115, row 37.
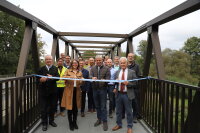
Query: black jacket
column 49, row 86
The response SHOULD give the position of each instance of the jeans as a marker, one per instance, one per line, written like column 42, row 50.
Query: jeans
column 122, row 100
column 111, row 98
column 100, row 96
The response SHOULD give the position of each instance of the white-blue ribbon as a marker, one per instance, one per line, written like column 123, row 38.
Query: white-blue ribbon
column 92, row 80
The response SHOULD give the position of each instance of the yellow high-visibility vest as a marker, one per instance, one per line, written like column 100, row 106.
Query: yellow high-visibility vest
column 61, row 83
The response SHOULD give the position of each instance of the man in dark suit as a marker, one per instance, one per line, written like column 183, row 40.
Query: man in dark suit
column 47, row 92
column 124, row 95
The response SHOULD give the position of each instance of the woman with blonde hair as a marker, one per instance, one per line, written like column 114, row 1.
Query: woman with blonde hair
column 72, row 94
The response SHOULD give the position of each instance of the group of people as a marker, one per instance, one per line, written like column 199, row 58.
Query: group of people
column 71, row 94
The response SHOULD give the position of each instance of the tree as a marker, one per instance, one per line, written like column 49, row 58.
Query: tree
column 11, row 36
column 89, row 54
column 141, row 50
column 192, row 47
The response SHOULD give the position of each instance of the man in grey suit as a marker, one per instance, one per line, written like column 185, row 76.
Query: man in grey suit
column 124, row 94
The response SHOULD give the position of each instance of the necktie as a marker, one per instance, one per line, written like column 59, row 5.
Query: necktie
column 122, row 85
column 98, row 75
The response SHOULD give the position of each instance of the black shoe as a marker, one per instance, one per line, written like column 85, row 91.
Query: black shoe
column 105, row 126
column 53, row 124
column 134, row 120
column 75, row 125
column 71, row 127
column 44, row 127
column 98, row 122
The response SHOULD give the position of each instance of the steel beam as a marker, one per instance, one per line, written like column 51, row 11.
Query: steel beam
column 94, row 50
column 158, row 54
column 54, row 47
column 129, row 48
column 148, row 56
column 57, row 50
column 92, row 34
column 72, row 53
column 66, row 48
column 35, row 52
column 119, row 50
column 25, row 49
column 112, row 53
column 80, row 46
column 93, row 42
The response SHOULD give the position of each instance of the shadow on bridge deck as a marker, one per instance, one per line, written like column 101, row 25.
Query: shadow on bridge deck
column 86, row 125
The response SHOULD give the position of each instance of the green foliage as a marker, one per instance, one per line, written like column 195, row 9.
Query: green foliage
column 180, row 65
column 11, row 37
column 88, row 54
column 192, row 47
column 141, row 50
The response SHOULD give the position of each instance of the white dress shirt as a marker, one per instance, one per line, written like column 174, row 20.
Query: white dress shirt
column 125, row 78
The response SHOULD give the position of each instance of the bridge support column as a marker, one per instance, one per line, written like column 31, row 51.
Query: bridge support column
column 76, row 54
column 66, row 48
column 148, row 57
column 129, row 48
column 35, row 51
column 157, row 51
column 119, row 50
column 30, row 37
column 72, row 53
column 112, row 53
column 55, row 48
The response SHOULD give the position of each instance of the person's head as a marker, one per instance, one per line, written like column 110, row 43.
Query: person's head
column 99, row 60
column 67, row 59
column 62, row 55
column 80, row 59
column 106, row 58
column 59, row 62
column 130, row 57
column 123, row 62
column 116, row 60
column 48, row 60
column 86, row 62
column 81, row 64
column 74, row 64
column 91, row 61
column 109, row 63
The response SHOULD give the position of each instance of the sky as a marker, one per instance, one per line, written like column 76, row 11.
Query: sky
column 111, row 16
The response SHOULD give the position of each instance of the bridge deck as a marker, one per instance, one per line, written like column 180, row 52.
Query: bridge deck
column 86, row 125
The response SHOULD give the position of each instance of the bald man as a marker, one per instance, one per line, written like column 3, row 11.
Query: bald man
column 47, row 92
column 100, row 71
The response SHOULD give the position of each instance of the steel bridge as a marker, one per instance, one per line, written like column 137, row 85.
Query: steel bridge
column 165, row 107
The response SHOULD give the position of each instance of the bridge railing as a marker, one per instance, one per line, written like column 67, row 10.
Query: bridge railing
column 165, row 105
column 18, row 104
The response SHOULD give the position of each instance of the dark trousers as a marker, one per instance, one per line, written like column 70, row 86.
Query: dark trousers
column 123, row 100
column 111, row 98
column 47, row 106
column 135, row 103
column 83, row 101
column 72, row 114
column 91, row 104
column 59, row 98
column 100, row 99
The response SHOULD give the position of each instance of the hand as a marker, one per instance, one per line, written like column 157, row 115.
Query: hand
column 115, row 91
column 49, row 75
column 43, row 79
column 125, row 82
column 95, row 78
